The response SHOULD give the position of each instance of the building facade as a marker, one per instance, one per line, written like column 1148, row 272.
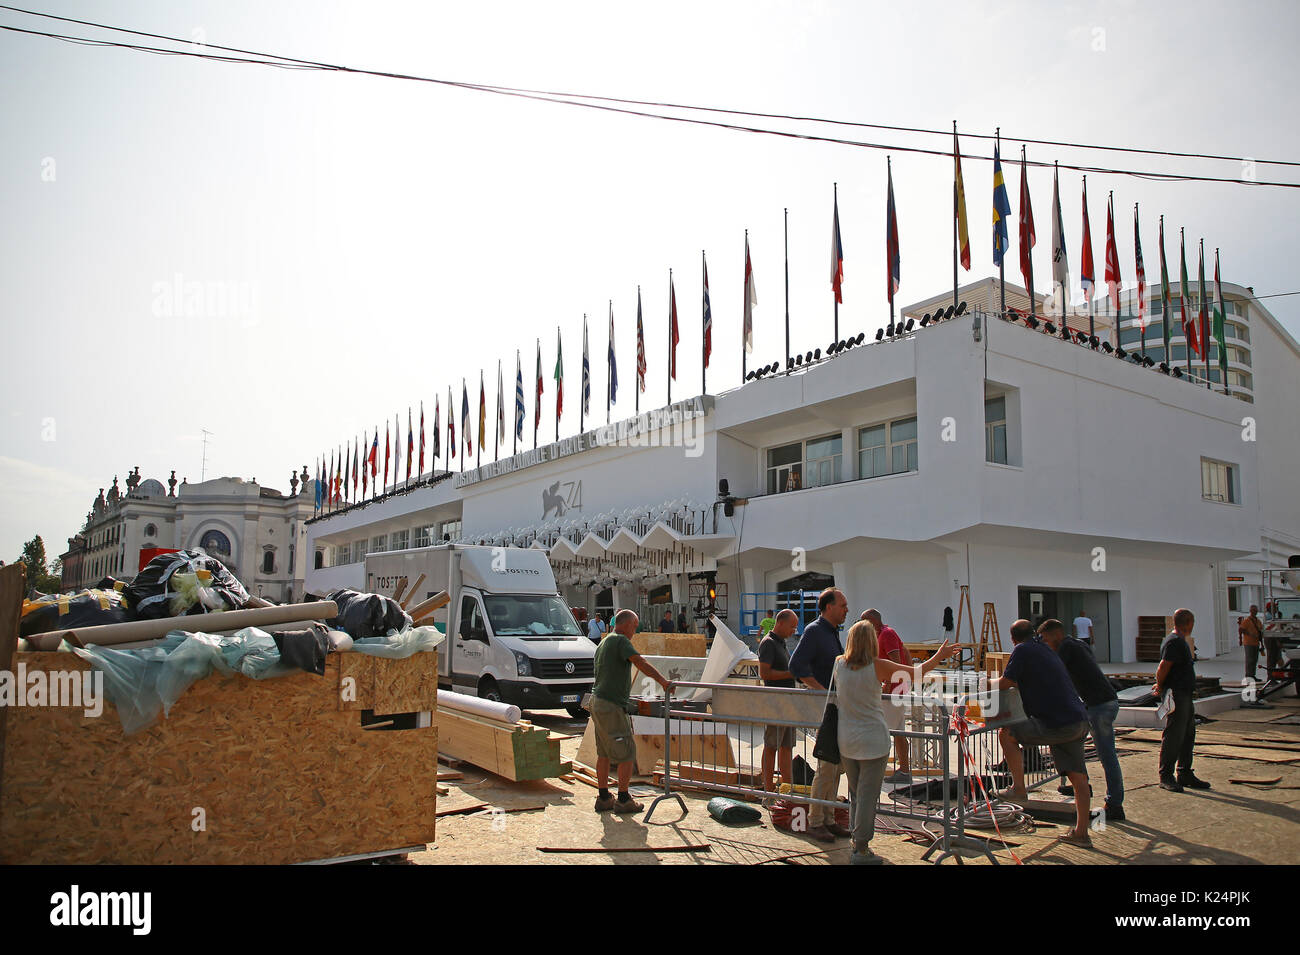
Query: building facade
column 1045, row 476
column 257, row 532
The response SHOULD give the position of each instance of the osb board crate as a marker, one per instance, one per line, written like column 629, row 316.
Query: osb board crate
column 281, row 772
column 670, row 644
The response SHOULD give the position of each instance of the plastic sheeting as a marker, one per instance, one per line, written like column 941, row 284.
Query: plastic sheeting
column 399, row 646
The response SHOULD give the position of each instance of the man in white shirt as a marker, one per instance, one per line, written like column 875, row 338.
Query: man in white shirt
column 1083, row 628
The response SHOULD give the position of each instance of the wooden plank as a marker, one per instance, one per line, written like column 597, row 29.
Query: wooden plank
column 517, row 752
column 415, row 588
column 275, row 766
column 698, row 847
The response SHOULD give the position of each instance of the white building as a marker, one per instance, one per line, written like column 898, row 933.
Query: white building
column 1045, row 475
column 257, row 532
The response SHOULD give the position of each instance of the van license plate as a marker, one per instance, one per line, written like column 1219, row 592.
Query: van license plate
column 572, row 698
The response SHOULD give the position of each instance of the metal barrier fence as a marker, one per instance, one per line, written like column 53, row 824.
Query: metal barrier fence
column 722, row 750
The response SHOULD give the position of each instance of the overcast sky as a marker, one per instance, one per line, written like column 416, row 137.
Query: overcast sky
column 362, row 243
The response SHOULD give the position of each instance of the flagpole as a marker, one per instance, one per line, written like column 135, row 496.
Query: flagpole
column 1223, row 324
column 1002, row 259
column 743, row 357
column 519, row 383
column 609, row 365
column 584, row 379
column 1205, row 338
column 836, row 189
column 537, row 414
column 704, row 358
column 640, row 344
column 669, row 363
column 1182, row 295
column 954, row 219
column 889, row 262
column 1029, row 255
column 787, row 289
column 496, row 432
column 559, row 381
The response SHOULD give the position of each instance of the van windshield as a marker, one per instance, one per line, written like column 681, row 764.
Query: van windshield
column 526, row 615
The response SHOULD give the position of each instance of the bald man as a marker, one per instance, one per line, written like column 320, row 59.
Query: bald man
column 774, row 670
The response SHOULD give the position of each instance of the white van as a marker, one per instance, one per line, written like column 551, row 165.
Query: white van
column 511, row 637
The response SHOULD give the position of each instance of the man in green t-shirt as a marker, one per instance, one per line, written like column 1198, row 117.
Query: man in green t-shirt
column 609, row 697
column 766, row 624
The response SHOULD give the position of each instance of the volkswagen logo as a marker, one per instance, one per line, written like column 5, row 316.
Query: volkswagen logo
column 568, row 667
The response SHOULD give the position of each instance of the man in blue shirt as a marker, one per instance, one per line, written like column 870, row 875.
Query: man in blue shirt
column 1057, row 719
column 813, row 663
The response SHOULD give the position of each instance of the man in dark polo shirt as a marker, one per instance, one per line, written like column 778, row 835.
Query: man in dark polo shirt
column 1057, row 719
column 1102, row 704
column 813, row 663
column 774, row 670
column 609, row 697
column 1177, row 673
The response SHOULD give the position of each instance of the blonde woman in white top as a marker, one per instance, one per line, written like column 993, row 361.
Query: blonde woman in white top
column 863, row 733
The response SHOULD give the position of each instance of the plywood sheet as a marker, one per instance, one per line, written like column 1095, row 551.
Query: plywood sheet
column 280, row 773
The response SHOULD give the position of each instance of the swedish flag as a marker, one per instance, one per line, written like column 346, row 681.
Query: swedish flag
column 1001, row 210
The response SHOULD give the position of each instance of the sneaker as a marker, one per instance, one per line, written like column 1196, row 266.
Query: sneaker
column 624, row 807
column 1115, row 813
column 837, row 830
column 821, row 834
column 866, row 858
column 1065, row 789
column 605, row 804
column 1008, row 795
column 899, row 778
column 1171, row 784
column 1189, row 781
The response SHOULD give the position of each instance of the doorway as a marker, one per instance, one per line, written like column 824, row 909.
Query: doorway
column 1037, row 604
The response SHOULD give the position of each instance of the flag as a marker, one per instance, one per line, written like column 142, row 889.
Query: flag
column 421, row 470
column 410, row 442
column 837, row 255
column 451, row 423
column 1164, row 294
column 640, row 347
column 1027, row 236
column 1001, row 209
column 751, row 299
column 613, row 361
column 365, row 478
column 1203, row 312
column 466, row 430
column 1189, row 323
column 519, row 395
column 708, row 317
column 892, row 259
column 397, row 448
column 355, row 452
column 437, row 432
column 1219, row 318
column 537, row 402
column 963, row 238
column 319, row 498
column 1112, row 259
column 1087, row 271
column 1141, row 273
column 501, row 411
column 586, row 371
column 1060, row 263
column 482, row 413
column 387, row 452
column 559, row 377
column 673, row 336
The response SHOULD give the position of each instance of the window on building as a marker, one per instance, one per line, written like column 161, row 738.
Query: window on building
column 995, row 430
column 785, row 468
column 423, row 533
column 378, row 544
column 903, row 445
column 151, row 530
column 342, row 554
column 451, row 530
column 1219, row 481
column 401, row 539
column 824, row 461
column 1241, row 379
column 873, row 458
column 319, row 560
column 268, row 562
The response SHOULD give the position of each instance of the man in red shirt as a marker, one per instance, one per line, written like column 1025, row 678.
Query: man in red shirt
column 891, row 648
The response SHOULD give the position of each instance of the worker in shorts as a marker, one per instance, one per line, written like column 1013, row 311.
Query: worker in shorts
column 609, row 697
column 1057, row 719
column 774, row 670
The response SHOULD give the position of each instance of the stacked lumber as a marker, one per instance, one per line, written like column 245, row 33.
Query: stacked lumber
column 670, row 644
column 516, row 751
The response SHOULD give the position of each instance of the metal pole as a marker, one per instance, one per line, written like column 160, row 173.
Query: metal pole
column 836, row 187
column 787, row 288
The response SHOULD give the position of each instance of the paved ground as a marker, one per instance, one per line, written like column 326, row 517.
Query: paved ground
column 1233, row 823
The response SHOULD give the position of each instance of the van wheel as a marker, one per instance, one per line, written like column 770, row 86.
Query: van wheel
column 488, row 690
column 577, row 712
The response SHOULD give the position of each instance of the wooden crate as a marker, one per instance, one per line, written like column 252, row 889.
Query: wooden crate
column 281, row 770
column 1151, row 633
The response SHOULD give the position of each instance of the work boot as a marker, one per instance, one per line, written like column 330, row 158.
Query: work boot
column 1189, row 781
column 626, row 806
column 1171, row 784
column 605, row 803
column 821, row 834
column 837, row 830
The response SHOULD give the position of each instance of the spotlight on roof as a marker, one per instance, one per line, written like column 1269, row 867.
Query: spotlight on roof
column 890, row 330
column 1094, row 341
column 789, row 363
column 1148, row 361
column 1065, row 330
column 880, row 333
column 862, row 336
column 1120, row 353
column 1049, row 327
column 961, row 307
column 1106, row 347
column 817, row 353
column 947, row 312
column 798, row 359
column 749, row 376
column 1031, row 321
column 1178, row 372
column 909, row 325
column 925, row 319
column 1164, row 368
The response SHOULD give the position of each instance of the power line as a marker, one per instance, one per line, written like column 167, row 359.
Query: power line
column 283, row 62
